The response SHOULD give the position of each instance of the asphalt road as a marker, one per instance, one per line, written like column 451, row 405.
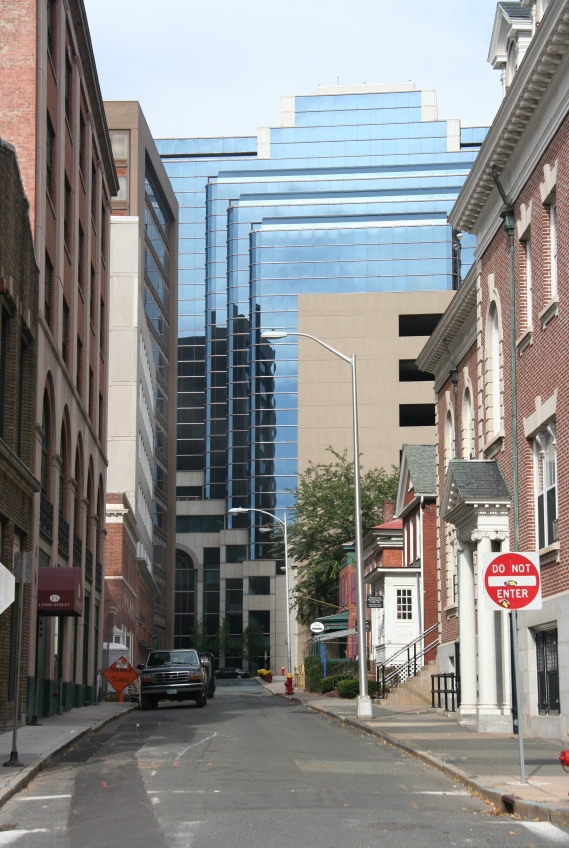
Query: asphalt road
column 250, row 770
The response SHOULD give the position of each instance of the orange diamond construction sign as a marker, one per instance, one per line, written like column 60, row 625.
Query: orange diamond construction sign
column 120, row 674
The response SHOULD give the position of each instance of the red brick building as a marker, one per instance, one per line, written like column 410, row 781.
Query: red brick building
column 53, row 114
column 18, row 363
column 502, row 392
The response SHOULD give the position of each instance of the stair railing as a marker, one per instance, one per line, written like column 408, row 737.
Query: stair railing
column 392, row 672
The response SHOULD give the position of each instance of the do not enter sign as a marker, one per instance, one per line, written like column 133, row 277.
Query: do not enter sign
column 511, row 580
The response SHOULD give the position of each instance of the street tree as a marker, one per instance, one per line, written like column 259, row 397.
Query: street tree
column 322, row 522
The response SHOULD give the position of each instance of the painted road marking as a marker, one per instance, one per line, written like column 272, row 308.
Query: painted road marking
column 547, row 831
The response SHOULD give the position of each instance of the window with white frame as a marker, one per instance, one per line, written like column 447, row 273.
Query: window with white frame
column 529, row 284
column 449, row 439
column 494, row 371
column 545, row 459
column 553, row 248
column 404, row 604
column 468, row 425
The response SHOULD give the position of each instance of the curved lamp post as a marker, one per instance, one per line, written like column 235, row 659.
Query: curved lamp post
column 241, row 510
column 364, row 709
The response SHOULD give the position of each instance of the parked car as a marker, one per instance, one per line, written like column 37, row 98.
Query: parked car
column 227, row 673
column 172, row 675
column 207, row 660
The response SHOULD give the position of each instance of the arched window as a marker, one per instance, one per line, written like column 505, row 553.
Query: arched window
column 449, row 439
column 185, row 599
column 494, row 372
column 469, row 450
column 45, row 447
column 63, row 473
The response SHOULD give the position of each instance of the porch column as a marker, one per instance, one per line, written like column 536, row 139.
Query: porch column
column 467, row 635
column 487, row 666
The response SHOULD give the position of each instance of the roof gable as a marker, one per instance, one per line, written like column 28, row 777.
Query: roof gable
column 470, row 482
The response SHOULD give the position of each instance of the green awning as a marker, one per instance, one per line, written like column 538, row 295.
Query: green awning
column 338, row 621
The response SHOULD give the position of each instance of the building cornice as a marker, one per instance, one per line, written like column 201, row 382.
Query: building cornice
column 533, row 79
column 458, row 311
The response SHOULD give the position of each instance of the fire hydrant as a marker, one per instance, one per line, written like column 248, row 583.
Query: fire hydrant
column 289, row 689
column 282, row 671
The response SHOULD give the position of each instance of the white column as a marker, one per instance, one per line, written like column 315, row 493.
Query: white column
column 467, row 635
column 487, row 682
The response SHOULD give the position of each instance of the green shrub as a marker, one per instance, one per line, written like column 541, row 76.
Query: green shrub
column 313, row 673
column 373, row 688
column 328, row 684
column 349, row 688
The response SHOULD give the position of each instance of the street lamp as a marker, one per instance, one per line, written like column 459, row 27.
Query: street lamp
column 364, row 709
column 241, row 510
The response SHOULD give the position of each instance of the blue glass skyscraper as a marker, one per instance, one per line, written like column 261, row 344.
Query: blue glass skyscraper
column 350, row 196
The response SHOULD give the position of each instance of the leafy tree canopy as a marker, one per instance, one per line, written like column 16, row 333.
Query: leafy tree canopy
column 322, row 522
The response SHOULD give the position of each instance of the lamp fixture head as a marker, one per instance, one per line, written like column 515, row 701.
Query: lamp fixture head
column 273, row 335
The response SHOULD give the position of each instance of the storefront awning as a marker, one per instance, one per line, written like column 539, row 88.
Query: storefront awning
column 60, row 591
column 338, row 621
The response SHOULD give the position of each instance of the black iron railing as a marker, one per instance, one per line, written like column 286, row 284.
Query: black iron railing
column 63, row 537
column 445, row 691
column 405, row 663
column 89, row 565
column 46, row 518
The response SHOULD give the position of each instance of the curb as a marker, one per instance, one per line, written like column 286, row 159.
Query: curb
column 508, row 804
column 42, row 760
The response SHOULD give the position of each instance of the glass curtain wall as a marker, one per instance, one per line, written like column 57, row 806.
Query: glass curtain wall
column 353, row 198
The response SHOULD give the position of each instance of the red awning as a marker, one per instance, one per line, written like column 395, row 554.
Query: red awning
column 60, row 591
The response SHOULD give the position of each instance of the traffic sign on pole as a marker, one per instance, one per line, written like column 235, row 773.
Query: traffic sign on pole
column 511, row 581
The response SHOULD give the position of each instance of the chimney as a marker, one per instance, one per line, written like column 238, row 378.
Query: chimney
column 388, row 511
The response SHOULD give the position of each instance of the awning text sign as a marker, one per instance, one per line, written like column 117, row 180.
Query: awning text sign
column 511, row 581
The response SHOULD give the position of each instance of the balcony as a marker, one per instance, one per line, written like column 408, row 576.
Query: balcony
column 89, row 565
column 46, row 518
column 77, row 551
column 63, row 537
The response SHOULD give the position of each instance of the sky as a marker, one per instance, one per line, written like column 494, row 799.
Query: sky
column 204, row 69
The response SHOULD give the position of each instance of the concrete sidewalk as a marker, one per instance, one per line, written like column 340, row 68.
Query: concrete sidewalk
column 487, row 763
column 36, row 745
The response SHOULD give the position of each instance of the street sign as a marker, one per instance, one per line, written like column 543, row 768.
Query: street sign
column 317, row 627
column 375, row 601
column 511, row 580
column 120, row 674
column 367, row 627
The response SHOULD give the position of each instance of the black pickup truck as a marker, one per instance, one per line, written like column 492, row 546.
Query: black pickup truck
column 175, row 675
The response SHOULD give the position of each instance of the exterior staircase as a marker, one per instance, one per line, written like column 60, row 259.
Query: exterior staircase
column 414, row 691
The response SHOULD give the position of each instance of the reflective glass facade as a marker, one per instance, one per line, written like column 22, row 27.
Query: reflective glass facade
column 353, row 198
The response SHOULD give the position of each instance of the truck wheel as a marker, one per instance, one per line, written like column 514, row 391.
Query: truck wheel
column 201, row 700
column 145, row 702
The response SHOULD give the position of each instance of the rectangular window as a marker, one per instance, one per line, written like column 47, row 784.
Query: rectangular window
column 545, row 459
column 259, row 585
column 553, row 247
column 4, row 347
column 404, row 605
column 48, row 292
column 51, row 26
column 50, row 161
column 68, row 86
column 547, row 672
column 529, row 283
column 81, row 259
column 65, row 334
column 79, row 367
column 67, row 215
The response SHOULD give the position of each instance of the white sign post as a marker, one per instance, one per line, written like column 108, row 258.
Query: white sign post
column 511, row 582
